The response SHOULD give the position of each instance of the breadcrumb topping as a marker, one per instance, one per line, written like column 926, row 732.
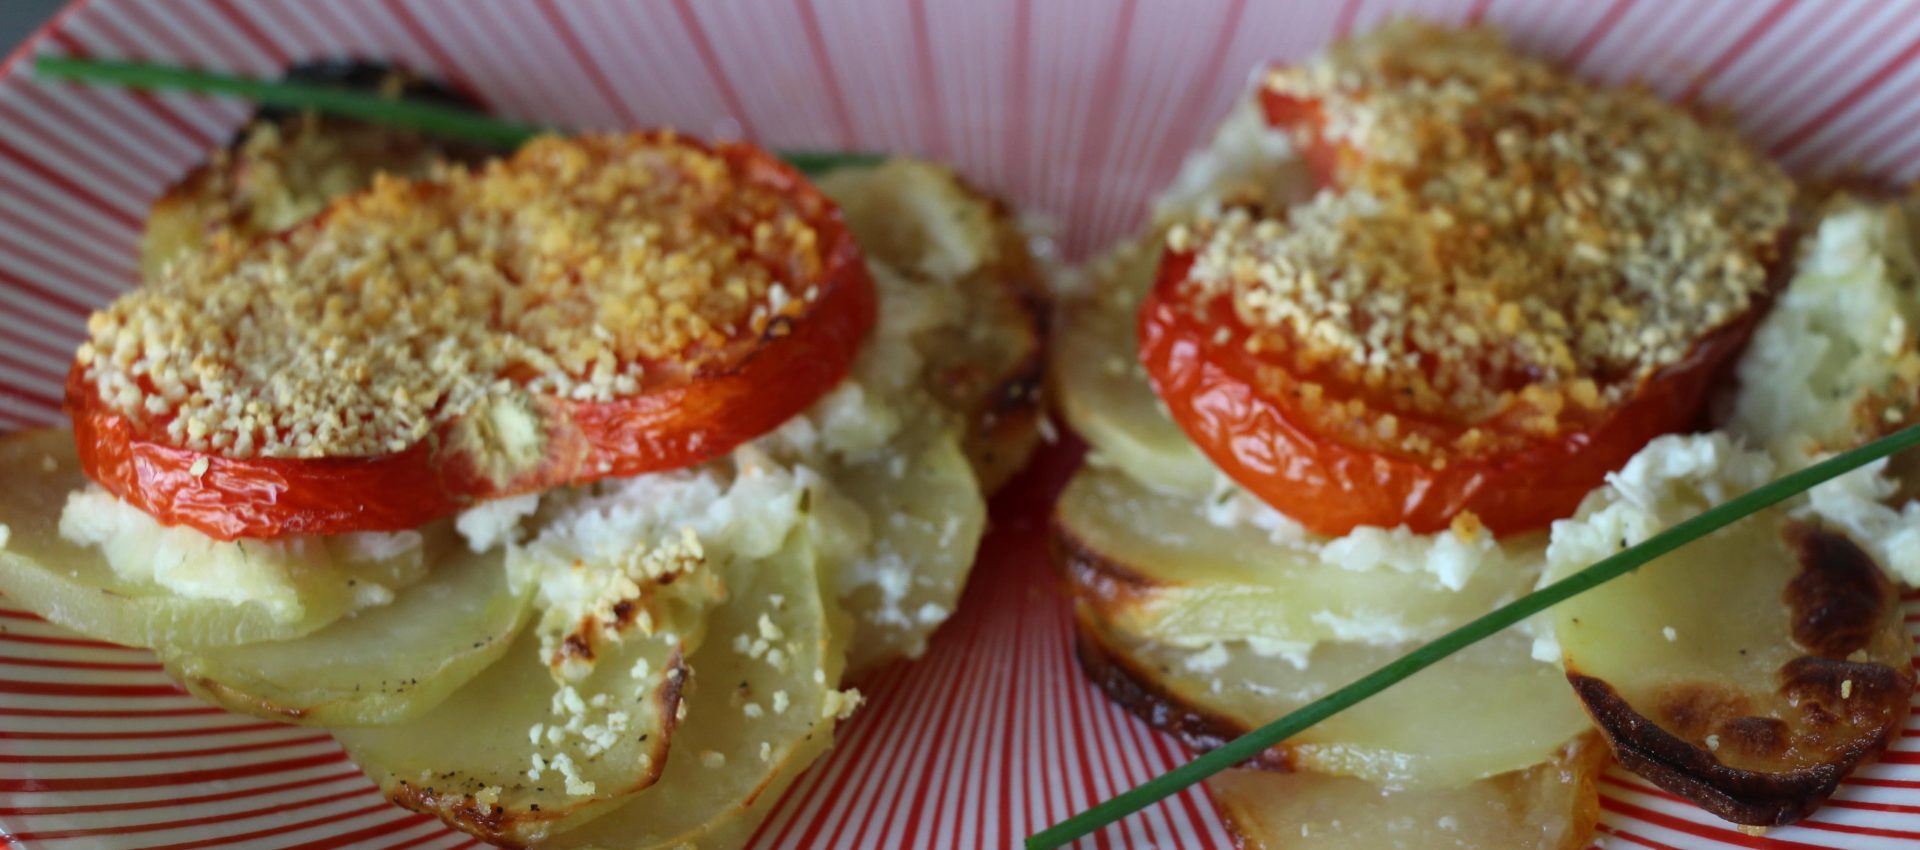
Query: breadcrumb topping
column 580, row 268
column 1499, row 237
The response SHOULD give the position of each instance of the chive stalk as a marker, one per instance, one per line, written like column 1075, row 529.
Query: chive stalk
column 436, row 119
column 1253, row 743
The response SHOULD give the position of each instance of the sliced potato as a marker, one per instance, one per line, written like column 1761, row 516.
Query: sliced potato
column 1749, row 671
column 1153, row 564
column 943, row 404
column 984, row 362
column 511, row 756
column 76, row 586
column 1551, row 806
column 926, row 517
column 754, row 720
column 385, row 665
column 1102, row 389
column 1485, row 711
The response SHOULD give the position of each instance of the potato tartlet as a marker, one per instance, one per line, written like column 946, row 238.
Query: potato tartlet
column 1431, row 324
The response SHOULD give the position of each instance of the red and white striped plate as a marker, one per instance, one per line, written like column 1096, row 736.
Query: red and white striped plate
column 1076, row 108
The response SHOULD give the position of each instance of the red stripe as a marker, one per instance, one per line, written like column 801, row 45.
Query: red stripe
column 1019, row 129
column 48, row 640
column 106, row 273
column 1598, row 32
column 246, row 25
column 109, row 713
column 1009, row 711
column 164, row 755
column 443, row 61
column 1900, row 757
column 121, row 137
column 60, row 785
column 141, row 735
column 68, row 187
column 52, row 370
column 30, row 398
column 16, row 614
column 932, row 124
column 1878, row 782
column 172, row 802
column 206, row 820
column 94, row 159
column 1074, row 689
column 344, row 840
column 1091, row 162
column 1172, row 752
column 1189, row 128
column 1887, row 140
column 105, row 237
column 1864, row 805
column 1825, row 117
column 140, row 19
column 1729, row 836
column 823, row 64
column 66, row 664
column 854, row 749
column 854, row 784
column 1635, row 838
column 197, row 137
column 52, row 297
column 13, row 337
column 1343, row 23
column 595, row 74
column 941, row 729
column 1851, row 829
column 703, row 45
column 1741, row 44
column 82, row 689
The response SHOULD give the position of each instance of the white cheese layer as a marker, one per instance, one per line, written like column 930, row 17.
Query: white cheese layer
column 1835, row 361
column 273, row 573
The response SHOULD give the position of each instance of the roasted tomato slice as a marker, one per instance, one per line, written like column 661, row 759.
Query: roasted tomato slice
column 1258, row 422
column 1508, row 283
column 605, row 305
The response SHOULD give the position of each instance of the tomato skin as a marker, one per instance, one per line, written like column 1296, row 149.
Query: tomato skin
column 1212, row 389
column 252, row 497
column 679, row 421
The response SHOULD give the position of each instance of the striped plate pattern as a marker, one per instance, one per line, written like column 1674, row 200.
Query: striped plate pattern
column 1078, row 109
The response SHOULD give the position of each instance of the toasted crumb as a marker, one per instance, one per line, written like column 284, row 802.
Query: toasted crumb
column 840, row 705
column 1503, row 241
column 561, row 270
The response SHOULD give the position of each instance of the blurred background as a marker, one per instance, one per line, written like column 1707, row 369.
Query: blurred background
column 19, row 18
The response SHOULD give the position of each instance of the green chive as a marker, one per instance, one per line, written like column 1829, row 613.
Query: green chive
column 448, row 121
column 1253, row 743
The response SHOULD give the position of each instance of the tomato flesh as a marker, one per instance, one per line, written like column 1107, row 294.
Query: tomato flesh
column 1267, row 424
column 679, row 420
column 1263, row 440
